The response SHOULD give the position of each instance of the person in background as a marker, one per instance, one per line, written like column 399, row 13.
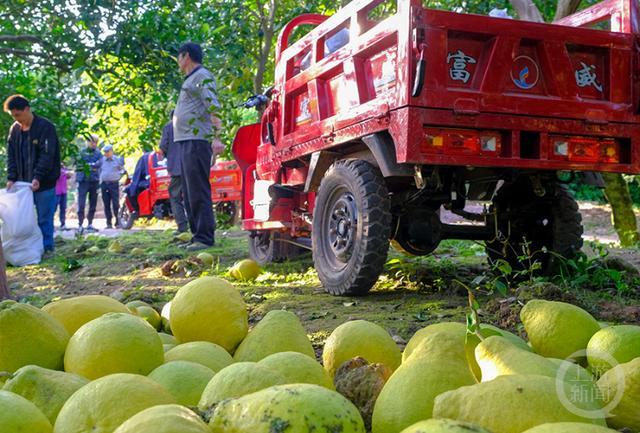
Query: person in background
column 87, row 176
column 170, row 151
column 33, row 156
column 111, row 170
column 61, row 195
column 196, row 131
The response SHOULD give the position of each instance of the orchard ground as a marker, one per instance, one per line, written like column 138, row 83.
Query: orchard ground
column 411, row 293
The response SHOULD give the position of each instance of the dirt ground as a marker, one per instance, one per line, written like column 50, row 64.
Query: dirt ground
column 411, row 293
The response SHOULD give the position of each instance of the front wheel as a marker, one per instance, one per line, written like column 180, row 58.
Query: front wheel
column 125, row 216
column 351, row 227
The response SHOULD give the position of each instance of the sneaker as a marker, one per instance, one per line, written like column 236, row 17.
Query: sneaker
column 91, row 228
column 197, row 246
column 118, row 225
column 48, row 254
column 109, row 226
column 63, row 227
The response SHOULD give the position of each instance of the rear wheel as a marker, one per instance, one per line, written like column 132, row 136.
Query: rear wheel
column 269, row 246
column 351, row 227
column 536, row 228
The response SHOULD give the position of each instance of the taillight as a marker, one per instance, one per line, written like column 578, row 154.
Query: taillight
column 461, row 142
column 585, row 149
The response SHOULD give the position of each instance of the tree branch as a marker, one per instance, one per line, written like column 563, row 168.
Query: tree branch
column 527, row 10
column 566, row 8
column 22, row 53
column 21, row 38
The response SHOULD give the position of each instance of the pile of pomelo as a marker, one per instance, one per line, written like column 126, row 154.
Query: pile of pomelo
column 91, row 364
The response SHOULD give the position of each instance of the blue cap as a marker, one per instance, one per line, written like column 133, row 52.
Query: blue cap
column 107, row 148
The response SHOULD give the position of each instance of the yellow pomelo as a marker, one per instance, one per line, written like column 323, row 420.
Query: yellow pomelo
column 47, row 389
column 440, row 345
column 557, row 329
column 185, row 380
column 167, row 347
column 360, row 338
column 19, row 415
column 149, row 314
column 167, row 338
column 296, row 408
column 472, row 340
column 115, row 247
column 206, row 259
column 166, row 418
column 409, row 394
column 237, row 380
column 209, row 309
column 75, row 312
column 569, row 427
column 245, row 270
column 496, row 356
column 137, row 252
column 450, row 331
column 103, row 404
column 617, row 344
column 514, row 403
column 297, row 368
column 202, row 352
column 184, row 237
column 93, row 250
column 620, row 388
column 29, row 335
column 443, row 426
column 114, row 343
column 278, row 331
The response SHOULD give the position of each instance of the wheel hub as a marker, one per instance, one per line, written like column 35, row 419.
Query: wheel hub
column 342, row 226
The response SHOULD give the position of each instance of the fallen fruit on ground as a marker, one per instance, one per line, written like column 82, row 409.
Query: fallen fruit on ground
column 19, row 415
column 115, row 247
column 619, row 344
column 409, row 394
column 47, row 389
column 278, row 331
column 29, row 335
column 557, row 329
column 570, row 427
column 296, row 408
column 148, row 313
column 498, row 405
column 75, row 312
column 622, row 383
column 167, row 418
column 206, row 258
column 137, row 252
column 167, row 338
column 202, row 352
column 209, row 309
column 444, row 330
column 297, row 368
column 236, row 380
column 245, row 270
column 185, row 380
column 114, row 343
column 360, row 338
column 103, row 404
column 443, row 426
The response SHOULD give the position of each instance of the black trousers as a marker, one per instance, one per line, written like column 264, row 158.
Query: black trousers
column 177, row 205
column 195, row 156
column 111, row 200
column 90, row 188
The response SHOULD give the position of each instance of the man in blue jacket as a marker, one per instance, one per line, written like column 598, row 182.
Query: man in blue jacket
column 33, row 155
column 88, row 177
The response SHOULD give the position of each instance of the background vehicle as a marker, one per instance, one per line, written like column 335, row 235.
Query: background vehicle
column 387, row 113
column 226, row 187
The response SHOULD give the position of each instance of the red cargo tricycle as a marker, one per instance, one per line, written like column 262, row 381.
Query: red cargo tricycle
column 153, row 201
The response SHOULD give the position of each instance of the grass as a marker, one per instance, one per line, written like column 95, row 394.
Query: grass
column 411, row 293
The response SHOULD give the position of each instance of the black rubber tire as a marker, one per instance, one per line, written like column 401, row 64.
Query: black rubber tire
column 562, row 233
column 270, row 246
column 126, row 218
column 351, row 187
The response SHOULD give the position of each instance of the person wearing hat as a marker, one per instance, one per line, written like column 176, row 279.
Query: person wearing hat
column 111, row 169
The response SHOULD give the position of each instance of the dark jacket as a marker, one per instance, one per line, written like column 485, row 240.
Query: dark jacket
column 170, row 150
column 89, row 167
column 40, row 159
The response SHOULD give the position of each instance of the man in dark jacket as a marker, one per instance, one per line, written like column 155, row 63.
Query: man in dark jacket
column 171, row 152
column 88, row 177
column 33, row 155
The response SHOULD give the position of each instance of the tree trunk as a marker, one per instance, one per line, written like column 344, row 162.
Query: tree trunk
column 4, row 287
column 624, row 219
